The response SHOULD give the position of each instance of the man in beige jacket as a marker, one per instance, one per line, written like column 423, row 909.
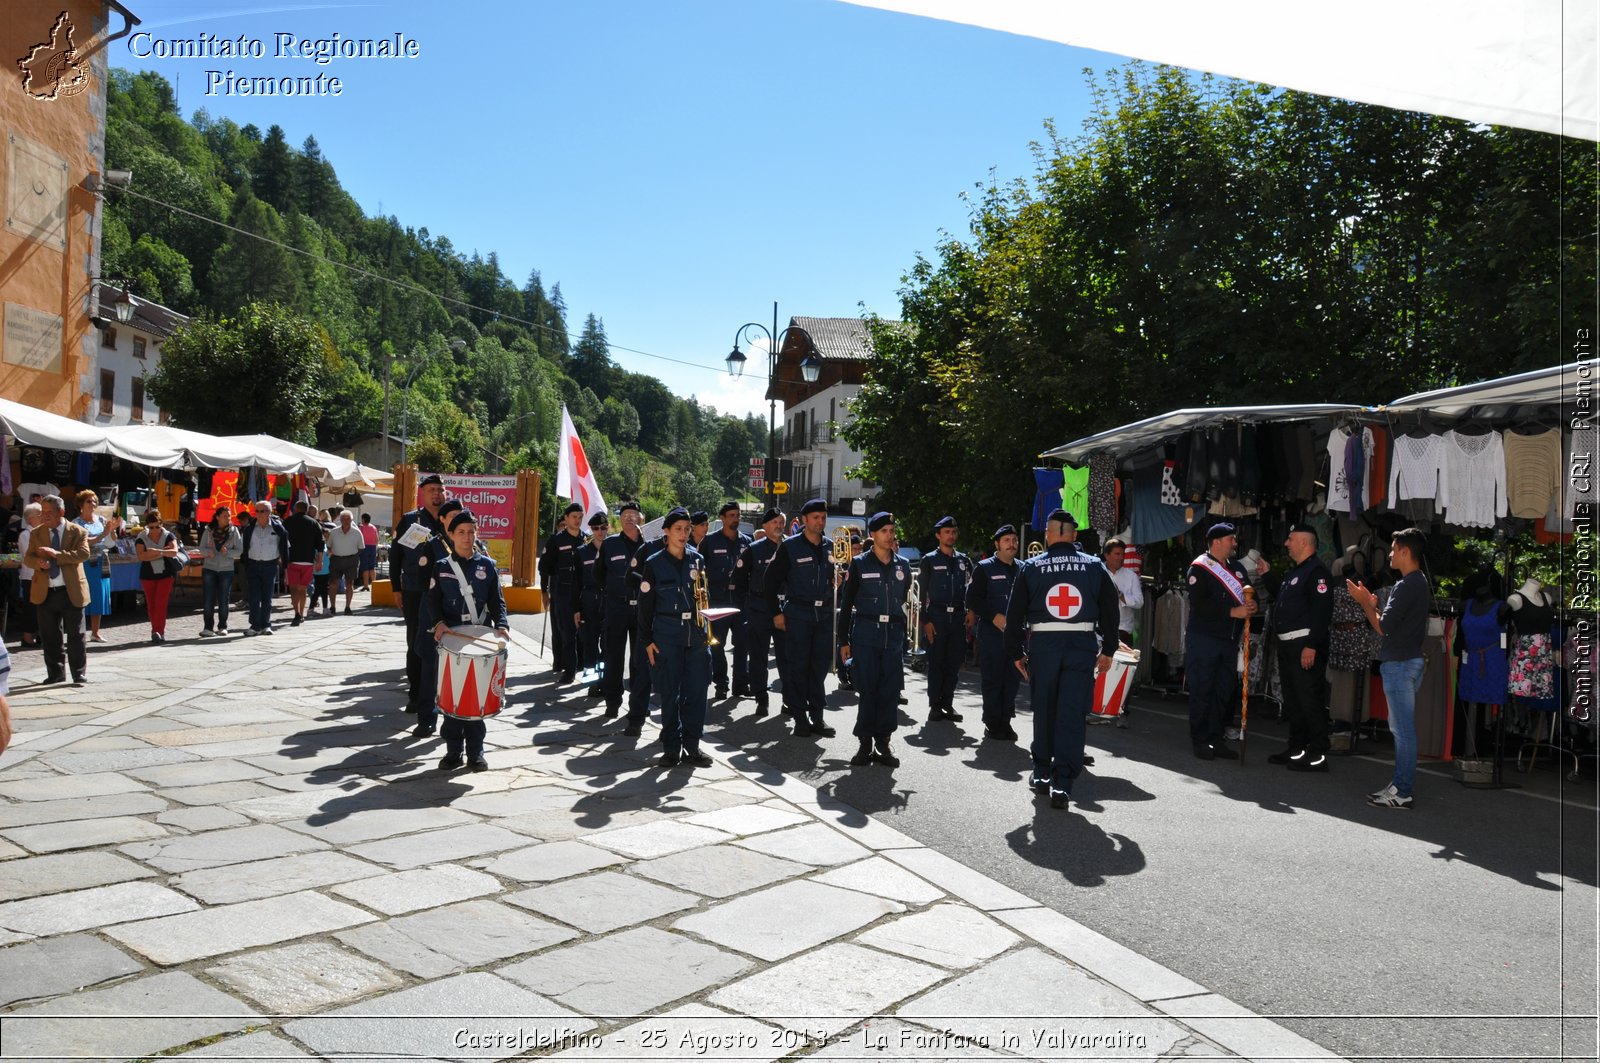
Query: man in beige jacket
column 57, row 550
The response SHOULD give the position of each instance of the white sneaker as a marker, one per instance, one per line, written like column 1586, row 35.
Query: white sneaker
column 1387, row 791
column 1231, row 734
column 1389, row 800
column 207, row 633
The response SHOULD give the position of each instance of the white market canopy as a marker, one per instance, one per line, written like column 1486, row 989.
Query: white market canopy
column 166, row 447
column 1530, row 64
column 1141, row 435
column 334, row 472
column 1573, row 386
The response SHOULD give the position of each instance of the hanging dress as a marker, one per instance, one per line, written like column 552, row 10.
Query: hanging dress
column 1533, row 658
column 1485, row 675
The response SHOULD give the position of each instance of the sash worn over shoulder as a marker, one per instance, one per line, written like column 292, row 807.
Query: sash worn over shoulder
column 1223, row 575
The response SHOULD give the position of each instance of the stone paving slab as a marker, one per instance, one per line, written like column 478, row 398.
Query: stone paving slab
column 203, row 817
column 83, row 834
column 657, row 839
column 36, row 970
column 389, row 946
column 232, row 883
column 627, row 974
column 218, row 793
column 118, row 760
column 783, row 920
column 249, row 924
column 261, row 1046
column 370, row 824
column 747, row 819
column 95, row 784
column 409, row 891
column 1240, row 1030
column 482, row 1003
column 452, row 843
column 219, row 847
column 551, row 861
column 603, row 902
column 479, row 932
column 881, row 878
column 720, row 870
column 828, row 990
column 84, row 909
column 692, row 1031
column 812, row 844
column 66, row 1026
column 61, row 872
column 301, row 979
column 1121, row 966
column 35, row 812
column 975, row 888
column 950, row 935
column 197, row 773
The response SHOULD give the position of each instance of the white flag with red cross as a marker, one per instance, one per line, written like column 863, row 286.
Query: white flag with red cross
column 574, row 477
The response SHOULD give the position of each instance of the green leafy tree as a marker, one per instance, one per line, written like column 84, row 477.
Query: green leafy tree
column 160, row 274
column 260, row 370
column 273, row 179
column 432, row 454
column 247, row 269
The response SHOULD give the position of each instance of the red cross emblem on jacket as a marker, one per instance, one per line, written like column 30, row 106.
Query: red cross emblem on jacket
column 1064, row 601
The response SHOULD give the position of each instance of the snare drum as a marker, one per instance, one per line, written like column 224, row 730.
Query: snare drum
column 472, row 673
column 1111, row 689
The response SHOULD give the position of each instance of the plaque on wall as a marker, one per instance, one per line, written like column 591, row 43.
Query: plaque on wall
column 32, row 338
column 36, row 200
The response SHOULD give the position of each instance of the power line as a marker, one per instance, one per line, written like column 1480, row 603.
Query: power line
column 404, row 285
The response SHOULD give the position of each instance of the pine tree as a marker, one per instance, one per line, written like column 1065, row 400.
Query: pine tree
column 249, row 270
column 273, row 180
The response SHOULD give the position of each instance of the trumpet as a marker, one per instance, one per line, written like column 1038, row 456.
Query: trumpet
column 702, row 602
column 914, row 611
column 841, row 564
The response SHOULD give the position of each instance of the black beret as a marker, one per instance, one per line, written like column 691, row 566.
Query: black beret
column 816, row 505
column 1063, row 516
column 1302, row 526
column 449, row 508
column 944, row 522
column 463, row 517
column 431, row 478
column 699, row 517
column 879, row 520
column 1004, row 529
column 1220, row 531
column 630, row 505
column 771, row 515
column 599, row 519
column 572, row 507
column 674, row 516
column 727, row 506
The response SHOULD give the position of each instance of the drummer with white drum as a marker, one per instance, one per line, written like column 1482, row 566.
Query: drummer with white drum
column 465, row 589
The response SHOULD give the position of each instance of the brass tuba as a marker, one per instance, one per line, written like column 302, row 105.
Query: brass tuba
column 702, row 602
column 1035, row 548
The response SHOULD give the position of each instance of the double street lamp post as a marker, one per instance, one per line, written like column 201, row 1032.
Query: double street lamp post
column 810, row 370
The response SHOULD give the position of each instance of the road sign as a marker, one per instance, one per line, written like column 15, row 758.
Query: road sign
column 780, row 487
column 758, row 463
column 858, row 508
column 758, row 483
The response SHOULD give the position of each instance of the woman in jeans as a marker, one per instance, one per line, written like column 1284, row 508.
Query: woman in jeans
column 102, row 533
column 222, row 546
column 1403, row 625
column 157, row 551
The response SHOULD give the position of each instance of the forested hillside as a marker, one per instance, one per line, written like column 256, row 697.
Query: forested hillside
column 332, row 295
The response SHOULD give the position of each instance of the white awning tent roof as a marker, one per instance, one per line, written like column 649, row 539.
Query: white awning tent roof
column 1141, row 435
column 166, row 447
column 1529, row 64
column 36, row 428
column 332, row 470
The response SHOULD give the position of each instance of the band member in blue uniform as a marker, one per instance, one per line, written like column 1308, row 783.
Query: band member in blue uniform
column 944, row 574
column 987, row 597
column 413, row 574
column 722, row 550
column 675, row 642
column 1301, row 619
column 802, row 570
column 617, row 574
column 558, row 575
column 1064, row 604
column 872, row 612
column 465, row 590
column 1218, row 611
column 760, row 636
column 591, row 599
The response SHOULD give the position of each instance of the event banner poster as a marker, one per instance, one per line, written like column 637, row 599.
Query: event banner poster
column 493, row 500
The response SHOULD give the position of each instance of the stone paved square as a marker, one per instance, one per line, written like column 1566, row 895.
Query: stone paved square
column 950, row 935
column 551, row 861
column 830, row 989
column 657, row 839
column 429, row 887
column 219, row 847
column 370, row 824
column 786, row 919
column 61, row 872
column 202, row 817
column 479, row 932
column 83, row 833
column 434, row 847
column 100, row 906
column 234, row 927
column 300, row 979
column 747, row 819
column 40, row 969
column 29, row 813
column 603, row 902
column 882, row 878
column 719, row 870
column 252, row 881
column 464, row 997
column 197, row 773
column 216, row 793
column 627, row 974
column 812, row 844
column 156, row 999
column 97, row 784
column 388, row 946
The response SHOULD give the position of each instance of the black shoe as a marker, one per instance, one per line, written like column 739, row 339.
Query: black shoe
column 1306, row 762
column 881, row 754
column 822, row 729
column 612, row 710
column 669, row 760
column 1222, row 752
column 904, row 700
column 347, row 610
column 1088, row 761
column 567, row 677
column 83, row 680
column 863, row 755
column 477, row 763
column 1003, row 733
column 53, row 680
column 1205, row 752
column 296, row 621
column 722, row 693
column 696, row 758
column 450, row 762
column 596, row 692
column 1038, row 785
column 1283, row 758
column 1058, row 798
column 953, row 716
column 422, row 730
column 802, row 727
column 634, row 729
column 761, row 710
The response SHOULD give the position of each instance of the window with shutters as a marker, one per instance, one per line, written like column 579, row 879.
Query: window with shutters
column 136, row 414
column 108, row 392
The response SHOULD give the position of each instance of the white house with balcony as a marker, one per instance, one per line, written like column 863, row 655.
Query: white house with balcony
column 128, row 350
column 811, row 445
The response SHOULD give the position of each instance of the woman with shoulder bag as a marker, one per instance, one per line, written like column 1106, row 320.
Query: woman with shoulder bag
column 102, row 533
column 221, row 545
column 157, row 551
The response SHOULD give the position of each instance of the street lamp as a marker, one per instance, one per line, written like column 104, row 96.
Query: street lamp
column 405, row 398
column 810, row 370
column 121, row 302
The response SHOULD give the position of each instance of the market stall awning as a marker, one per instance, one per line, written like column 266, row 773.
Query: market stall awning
column 1141, row 435
column 163, row 446
column 1572, row 386
column 1530, row 64
column 332, row 470
column 36, row 428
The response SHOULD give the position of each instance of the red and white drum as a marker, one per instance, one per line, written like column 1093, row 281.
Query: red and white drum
column 472, row 673
column 1111, row 689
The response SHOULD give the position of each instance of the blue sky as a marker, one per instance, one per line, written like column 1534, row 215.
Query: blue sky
column 677, row 166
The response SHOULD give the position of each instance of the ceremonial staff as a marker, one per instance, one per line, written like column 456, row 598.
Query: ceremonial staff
column 1244, row 706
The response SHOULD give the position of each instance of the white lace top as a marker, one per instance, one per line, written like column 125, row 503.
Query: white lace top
column 1476, row 467
column 1417, row 469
